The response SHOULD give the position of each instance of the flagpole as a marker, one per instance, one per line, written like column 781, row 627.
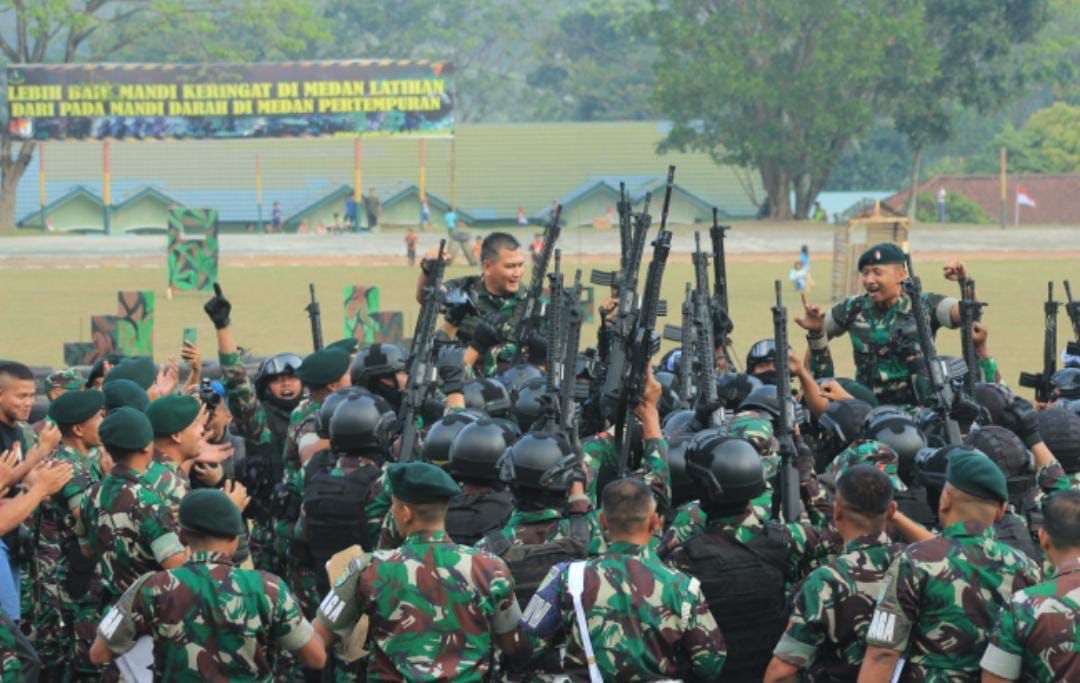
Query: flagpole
column 1004, row 191
column 1017, row 208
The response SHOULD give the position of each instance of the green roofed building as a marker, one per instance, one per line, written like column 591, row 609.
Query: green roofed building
column 499, row 168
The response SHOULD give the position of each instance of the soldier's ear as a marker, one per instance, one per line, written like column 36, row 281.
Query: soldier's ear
column 1044, row 541
column 603, row 521
column 891, row 511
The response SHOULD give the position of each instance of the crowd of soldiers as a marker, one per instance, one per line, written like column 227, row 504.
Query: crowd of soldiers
column 271, row 526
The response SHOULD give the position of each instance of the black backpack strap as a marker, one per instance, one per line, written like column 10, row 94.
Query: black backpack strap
column 497, row 542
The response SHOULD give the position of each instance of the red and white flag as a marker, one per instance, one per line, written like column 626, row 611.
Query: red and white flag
column 1023, row 198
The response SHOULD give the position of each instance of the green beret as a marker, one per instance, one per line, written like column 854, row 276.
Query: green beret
column 211, row 512
column 348, row 345
column 126, row 428
column 323, row 367
column 421, row 482
column 76, row 406
column 67, row 379
column 880, row 254
column 138, row 369
column 971, row 471
column 858, row 390
column 173, row 413
column 124, row 392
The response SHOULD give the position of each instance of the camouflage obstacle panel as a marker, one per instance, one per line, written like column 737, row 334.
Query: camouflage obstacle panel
column 193, row 263
column 391, row 327
column 135, row 324
column 360, row 303
column 103, row 334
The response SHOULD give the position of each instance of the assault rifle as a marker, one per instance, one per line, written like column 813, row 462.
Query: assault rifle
column 626, row 225
column 706, row 344
column 1073, row 309
column 720, row 289
column 571, row 341
column 785, row 430
column 938, row 372
column 970, row 313
column 624, row 285
column 526, row 317
column 1040, row 381
column 630, row 359
column 315, row 316
column 423, row 375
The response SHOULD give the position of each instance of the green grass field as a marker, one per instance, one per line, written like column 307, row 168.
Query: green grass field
column 46, row 307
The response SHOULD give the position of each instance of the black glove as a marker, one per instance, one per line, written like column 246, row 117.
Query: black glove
column 218, row 308
column 703, row 415
column 486, row 334
column 451, row 367
column 1023, row 420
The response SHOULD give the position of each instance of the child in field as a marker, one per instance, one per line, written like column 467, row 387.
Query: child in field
column 411, row 239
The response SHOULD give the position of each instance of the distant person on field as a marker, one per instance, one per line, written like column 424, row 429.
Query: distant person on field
column 800, row 276
column 425, row 215
column 336, row 225
column 352, row 214
column 522, row 219
column 941, row 196
column 275, row 218
column 537, row 247
column 411, row 240
column 373, row 208
column 477, row 247
column 303, row 228
column 819, row 213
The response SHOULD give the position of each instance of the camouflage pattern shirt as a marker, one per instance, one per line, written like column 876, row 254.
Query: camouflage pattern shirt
column 826, row 633
column 645, row 620
column 942, row 597
column 868, row 452
column 885, row 342
column 548, row 525
column 129, row 527
column 434, row 607
column 601, row 453
column 1037, row 637
column 56, row 523
column 247, row 411
column 209, row 620
column 491, row 307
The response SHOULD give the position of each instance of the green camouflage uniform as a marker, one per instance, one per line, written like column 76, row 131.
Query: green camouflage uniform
column 250, row 419
column 1052, row 478
column 601, row 454
column 65, row 621
column 12, row 668
column 942, row 598
column 130, row 529
column 645, row 620
column 297, row 574
column 434, row 608
column 1037, row 637
column 28, row 440
column 868, row 452
column 490, row 307
column 885, row 343
column 826, row 633
column 209, row 620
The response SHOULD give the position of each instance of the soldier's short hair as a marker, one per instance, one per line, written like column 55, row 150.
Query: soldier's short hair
column 627, row 504
column 10, row 369
column 1061, row 519
column 865, row 490
column 496, row 242
column 430, row 513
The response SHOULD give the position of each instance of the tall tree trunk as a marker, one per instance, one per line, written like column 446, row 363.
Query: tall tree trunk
column 913, row 202
column 11, row 171
column 777, row 182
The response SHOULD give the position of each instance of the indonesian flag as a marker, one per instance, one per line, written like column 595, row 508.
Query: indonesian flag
column 1023, row 198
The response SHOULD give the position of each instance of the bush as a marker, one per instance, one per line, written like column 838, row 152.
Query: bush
column 958, row 209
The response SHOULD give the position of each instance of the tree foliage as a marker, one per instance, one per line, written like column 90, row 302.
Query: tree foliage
column 958, row 209
column 1048, row 143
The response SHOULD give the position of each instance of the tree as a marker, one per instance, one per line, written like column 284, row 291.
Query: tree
column 1048, row 143
column 66, row 31
column 595, row 64
column 783, row 86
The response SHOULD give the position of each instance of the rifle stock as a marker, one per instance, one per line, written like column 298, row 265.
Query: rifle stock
column 789, row 474
column 315, row 317
column 1040, row 381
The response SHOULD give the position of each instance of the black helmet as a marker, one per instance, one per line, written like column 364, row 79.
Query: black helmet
column 515, row 377
column 329, row 405
column 487, row 395
column 375, row 361
column 842, row 423
column 724, row 469
column 677, row 424
column 669, row 392
column 764, row 399
column 362, row 424
column 542, row 461
column 1067, row 382
column 994, row 398
column 440, row 437
column 511, row 430
column 763, row 351
column 733, row 388
column 528, row 402
column 1009, row 454
column 1060, row 430
column 683, row 489
column 897, row 430
column 477, row 450
column 281, row 364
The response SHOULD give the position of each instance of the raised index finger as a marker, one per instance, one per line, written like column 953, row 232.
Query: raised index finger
column 217, row 289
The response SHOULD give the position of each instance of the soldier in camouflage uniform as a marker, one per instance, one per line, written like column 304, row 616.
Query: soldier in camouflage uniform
column 438, row 611
column 868, row 452
column 18, row 660
column 942, row 595
column 322, row 372
column 124, row 523
column 208, row 619
column 479, row 306
column 1037, row 637
column 643, row 619
column 64, row 579
column 62, row 381
column 825, row 635
column 881, row 325
column 261, row 412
